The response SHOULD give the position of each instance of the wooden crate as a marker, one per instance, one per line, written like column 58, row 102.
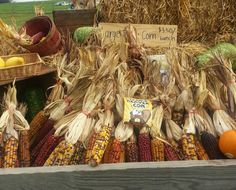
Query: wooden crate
column 176, row 175
column 71, row 19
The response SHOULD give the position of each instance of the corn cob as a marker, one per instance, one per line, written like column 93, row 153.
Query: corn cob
column 116, row 153
column 131, row 150
column 178, row 148
column 47, row 148
column 1, row 150
column 42, row 132
column 100, row 145
column 10, row 153
column 210, row 144
column 37, row 123
column 157, row 147
column 61, row 155
column 107, row 151
column 170, row 153
column 144, row 145
column 24, row 152
column 201, row 152
column 78, row 154
column 83, row 158
column 91, row 143
column 36, row 150
column 188, row 147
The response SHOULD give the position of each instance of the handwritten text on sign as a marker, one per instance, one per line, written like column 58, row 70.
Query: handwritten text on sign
column 149, row 35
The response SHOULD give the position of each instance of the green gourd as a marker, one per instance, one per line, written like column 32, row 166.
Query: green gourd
column 82, row 33
column 225, row 49
column 35, row 99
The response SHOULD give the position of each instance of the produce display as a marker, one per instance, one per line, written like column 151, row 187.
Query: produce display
column 120, row 102
column 11, row 62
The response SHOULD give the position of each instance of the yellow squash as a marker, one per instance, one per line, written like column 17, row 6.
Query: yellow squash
column 14, row 61
column 2, row 63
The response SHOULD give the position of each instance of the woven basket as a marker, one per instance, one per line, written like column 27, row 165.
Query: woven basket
column 33, row 65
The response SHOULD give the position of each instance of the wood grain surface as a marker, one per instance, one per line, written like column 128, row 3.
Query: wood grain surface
column 215, row 176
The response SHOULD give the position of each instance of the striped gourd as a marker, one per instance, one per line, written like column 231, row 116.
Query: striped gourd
column 24, row 152
column 100, row 145
column 189, row 147
column 37, row 122
column 10, row 153
column 157, row 147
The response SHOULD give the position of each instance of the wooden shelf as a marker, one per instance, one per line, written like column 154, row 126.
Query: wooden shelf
column 45, row 70
column 181, row 175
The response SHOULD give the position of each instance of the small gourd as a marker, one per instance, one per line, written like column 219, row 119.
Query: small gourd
column 227, row 143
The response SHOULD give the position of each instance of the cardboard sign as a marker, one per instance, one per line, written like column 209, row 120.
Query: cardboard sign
column 147, row 34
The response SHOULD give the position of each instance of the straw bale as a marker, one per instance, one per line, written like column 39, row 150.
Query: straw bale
column 198, row 20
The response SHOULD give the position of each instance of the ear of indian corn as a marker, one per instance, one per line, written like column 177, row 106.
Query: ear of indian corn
column 178, row 148
column 24, row 152
column 131, row 150
column 61, row 155
column 170, row 153
column 107, row 151
column 201, row 152
column 78, row 154
column 157, row 147
column 189, row 147
column 1, row 150
column 47, row 148
column 144, row 144
column 42, row 132
column 36, row 150
column 211, row 145
column 91, row 143
column 10, row 153
column 116, row 153
column 37, row 123
column 100, row 145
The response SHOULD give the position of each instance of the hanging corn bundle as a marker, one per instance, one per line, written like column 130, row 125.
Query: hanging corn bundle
column 11, row 122
column 157, row 144
column 174, row 135
column 144, row 144
column 131, row 149
column 24, row 149
column 78, row 154
column 102, row 139
column 92, row 139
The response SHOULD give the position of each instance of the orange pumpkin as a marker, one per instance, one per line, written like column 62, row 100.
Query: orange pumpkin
column 227, row 143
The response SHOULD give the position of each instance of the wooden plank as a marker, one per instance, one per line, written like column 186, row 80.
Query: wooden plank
column 72, row 19
column 121, row 176
column 45, row 70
